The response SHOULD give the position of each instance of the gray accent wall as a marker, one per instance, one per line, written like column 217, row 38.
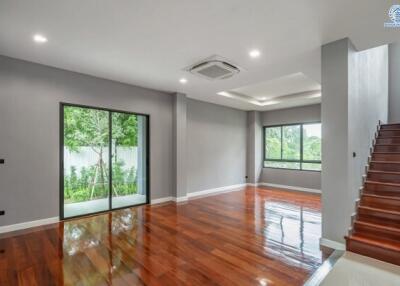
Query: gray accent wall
column 294, row 178
column 254, row 147
column 334, row 115
column 179, row 139
column 394, row 83
column 354, row 99
column 29, row 133
column 216, row 146
column 367, row 105
column 302, row 114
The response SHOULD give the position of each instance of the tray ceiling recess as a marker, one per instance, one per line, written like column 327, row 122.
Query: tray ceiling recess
column 288, row 91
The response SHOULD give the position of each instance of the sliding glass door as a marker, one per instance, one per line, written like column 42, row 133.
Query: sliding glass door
column 104, row 160
column 128, row 159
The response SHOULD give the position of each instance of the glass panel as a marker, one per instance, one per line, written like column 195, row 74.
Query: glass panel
column 283, row 165
column 291, row 142
column 312, row 142
column 86, row 141
column 273, row 143
column 128, row 159
column 311, row 166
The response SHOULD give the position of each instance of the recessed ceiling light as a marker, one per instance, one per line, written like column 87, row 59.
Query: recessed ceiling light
column 254, row 54
column 39, row 38
column 315, row 95
column 271, row 102
column 224, row 93
column 183, row 80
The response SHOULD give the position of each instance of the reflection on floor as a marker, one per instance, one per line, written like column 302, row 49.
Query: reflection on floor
column 250, row 237
column 356, row 270
column 77, row 209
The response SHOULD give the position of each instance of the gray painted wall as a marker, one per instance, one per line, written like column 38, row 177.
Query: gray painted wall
column 394, row 83
column 354, row 98
column 335, row 220
column 254, row 147
column 367, row 104
column 29, row 130
column 295, row 178
column 216, row 146
column 179, row 139
column 303, row 114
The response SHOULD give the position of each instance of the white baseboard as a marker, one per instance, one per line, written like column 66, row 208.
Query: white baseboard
column 199, row 194
column 217, row 190
column 28, row 224
column 161, row 200
column 300, row 189
column 169, row 199
column 252, row 185
column 180, row 199
column 332, row 244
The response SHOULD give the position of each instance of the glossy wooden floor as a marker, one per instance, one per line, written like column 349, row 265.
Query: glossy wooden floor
column 250, row 237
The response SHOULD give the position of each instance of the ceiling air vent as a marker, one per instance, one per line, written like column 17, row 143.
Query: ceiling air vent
column 214, row 68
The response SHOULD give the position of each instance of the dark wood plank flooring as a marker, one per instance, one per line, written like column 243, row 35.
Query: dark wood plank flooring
column 251, row 237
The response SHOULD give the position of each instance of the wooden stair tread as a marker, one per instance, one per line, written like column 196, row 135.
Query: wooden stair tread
column 384, row 172
column 378, row 226
column 389, row 129
column 383, row 183
column 388, row 137
column 381, row 197
column 385, row 162
column 392, row 212
column 381, row 243
column 391, row 137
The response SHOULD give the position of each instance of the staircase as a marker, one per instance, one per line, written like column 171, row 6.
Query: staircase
column 376, row 226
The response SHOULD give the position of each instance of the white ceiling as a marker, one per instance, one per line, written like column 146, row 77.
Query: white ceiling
column 284, row 92
column 149, row 42
column 289, row 84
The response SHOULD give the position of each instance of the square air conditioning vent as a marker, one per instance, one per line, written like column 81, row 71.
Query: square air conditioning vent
column 214, row 69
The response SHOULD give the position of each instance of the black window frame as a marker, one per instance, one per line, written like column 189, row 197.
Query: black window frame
column 300, row 161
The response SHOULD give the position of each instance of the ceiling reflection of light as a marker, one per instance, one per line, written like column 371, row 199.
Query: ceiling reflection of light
column 263, row 281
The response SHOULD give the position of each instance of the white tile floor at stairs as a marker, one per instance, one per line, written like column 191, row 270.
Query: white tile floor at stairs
column 356, row 270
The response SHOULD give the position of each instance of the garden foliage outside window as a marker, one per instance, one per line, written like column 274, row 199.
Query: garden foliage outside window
column 294, row 146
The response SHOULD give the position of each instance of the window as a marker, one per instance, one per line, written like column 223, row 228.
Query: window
column 294, row 146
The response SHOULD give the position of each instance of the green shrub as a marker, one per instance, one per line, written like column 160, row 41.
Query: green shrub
column 77, row 188
column 80, row 195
